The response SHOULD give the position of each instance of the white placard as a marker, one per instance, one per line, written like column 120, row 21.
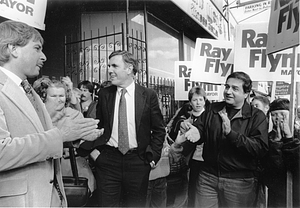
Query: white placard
column 213, row 60
column 31, row 12
column 251, row 56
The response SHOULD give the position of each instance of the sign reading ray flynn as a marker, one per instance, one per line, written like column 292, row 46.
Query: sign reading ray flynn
column 213, row 61
column 284, row 25
column 31, row 12
column 250, row 55
column 183, row 84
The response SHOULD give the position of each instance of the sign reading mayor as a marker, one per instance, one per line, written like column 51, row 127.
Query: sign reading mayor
column 213, row 61
column 250, row 55
column 31, row 12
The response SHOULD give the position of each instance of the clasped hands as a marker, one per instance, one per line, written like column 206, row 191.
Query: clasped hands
column 187, row 132
column 83, row 128
column 281, row 122
column 191, row 133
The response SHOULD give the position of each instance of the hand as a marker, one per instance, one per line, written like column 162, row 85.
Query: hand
column 56, row 116
column 184, row 126
column 73, row 129
column 55, row 113
column 192, row 134
column 180, row 138
column 68, row 82
column 226, row 122
column 91, row 137
column 282, row 125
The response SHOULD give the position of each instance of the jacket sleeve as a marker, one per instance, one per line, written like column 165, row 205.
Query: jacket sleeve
column 283, row 155
column 158, row 131
column 19, row 151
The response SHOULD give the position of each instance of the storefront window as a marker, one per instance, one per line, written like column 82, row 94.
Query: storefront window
column 163, row 51
column 189, row 48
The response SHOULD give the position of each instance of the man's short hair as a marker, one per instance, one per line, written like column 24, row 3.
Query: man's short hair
column 17, row 34
column 247, row 86
column 127, row 58
column 280, row 104
column 262, row 99
column 86, row 84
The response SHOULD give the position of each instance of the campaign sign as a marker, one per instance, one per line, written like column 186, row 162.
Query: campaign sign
column 284, row 25
column 31, row 12
column 183, row 84
column 213, row 61
column 250, row 55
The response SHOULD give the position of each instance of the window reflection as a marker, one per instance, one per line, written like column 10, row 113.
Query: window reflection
column 163, row 51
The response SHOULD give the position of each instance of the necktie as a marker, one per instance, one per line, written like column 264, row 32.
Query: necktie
column 123, row 141
column 28, row 90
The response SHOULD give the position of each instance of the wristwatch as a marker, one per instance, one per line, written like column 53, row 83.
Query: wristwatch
column 152, row 164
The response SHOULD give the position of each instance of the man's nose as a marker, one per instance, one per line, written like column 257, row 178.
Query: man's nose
column 43, row 58
column 229, row 90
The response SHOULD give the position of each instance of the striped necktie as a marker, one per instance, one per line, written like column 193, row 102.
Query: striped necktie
column 28, row 90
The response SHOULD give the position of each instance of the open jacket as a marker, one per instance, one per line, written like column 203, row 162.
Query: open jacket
column 29, row 149
column 283, row 156
column 235, row 155
column 150, row 128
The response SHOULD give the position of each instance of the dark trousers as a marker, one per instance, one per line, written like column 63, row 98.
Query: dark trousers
column 122, row 180
column 157, row 193
column 195, row 167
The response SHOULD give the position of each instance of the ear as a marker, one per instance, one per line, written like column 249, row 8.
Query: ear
column 13, row 50
column 130, row 67
column 267, row 107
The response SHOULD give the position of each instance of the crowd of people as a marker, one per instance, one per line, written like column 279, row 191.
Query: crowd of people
column 232, row 153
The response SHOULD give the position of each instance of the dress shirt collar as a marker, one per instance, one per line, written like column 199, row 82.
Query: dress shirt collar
column 130, row 89
column 12, row 76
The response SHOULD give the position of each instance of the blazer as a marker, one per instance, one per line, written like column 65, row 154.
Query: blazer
column 150, row 128
column 29, row 149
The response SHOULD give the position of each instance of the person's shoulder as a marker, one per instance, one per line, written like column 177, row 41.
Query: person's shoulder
column 108, row 89
column 72, row 112
column 141, row 88
column 215, row 106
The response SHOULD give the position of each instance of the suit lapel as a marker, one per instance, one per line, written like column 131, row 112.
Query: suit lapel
column 140, row 100
column 19, row 99
column 43, row 115
column 110, row 103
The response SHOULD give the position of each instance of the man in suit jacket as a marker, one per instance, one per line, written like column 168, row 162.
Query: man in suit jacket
column 30, row 147
column 122, row 178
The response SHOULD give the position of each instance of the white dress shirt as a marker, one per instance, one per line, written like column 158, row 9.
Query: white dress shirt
column 13, row 77
column 130, row 109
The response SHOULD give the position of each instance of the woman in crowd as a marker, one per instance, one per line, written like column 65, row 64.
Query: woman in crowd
column 56, row 97
column 181, row 191
column 283, row 156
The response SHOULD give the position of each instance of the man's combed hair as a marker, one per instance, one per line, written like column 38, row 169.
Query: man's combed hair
column 16, row 34
column 262, row 99
column 280, row 104
column 86, row 84
column 128, row 58
column 247, row 86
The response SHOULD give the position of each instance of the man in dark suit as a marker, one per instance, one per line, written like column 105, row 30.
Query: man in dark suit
column 122, row 175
